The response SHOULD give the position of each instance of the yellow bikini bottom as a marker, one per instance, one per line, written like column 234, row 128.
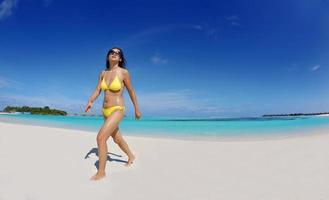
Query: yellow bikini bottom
column 108, row 111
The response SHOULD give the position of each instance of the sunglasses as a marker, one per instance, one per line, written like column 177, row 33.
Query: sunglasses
column 115, row 53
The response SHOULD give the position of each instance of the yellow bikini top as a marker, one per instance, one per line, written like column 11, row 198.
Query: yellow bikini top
column 114, row 86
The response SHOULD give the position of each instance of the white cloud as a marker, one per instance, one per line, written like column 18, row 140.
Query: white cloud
column 9, row 83
column 198, row 27
column 6, row 8
column 235, row 24
column 233, row 18
column 177, row 101
column 4, row 83
column 160, row 29
column 157, row 59
column 314, row 68
column 145, row 35
column 212, row 32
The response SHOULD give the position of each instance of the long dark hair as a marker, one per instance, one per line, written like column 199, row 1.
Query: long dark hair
column 122, row 63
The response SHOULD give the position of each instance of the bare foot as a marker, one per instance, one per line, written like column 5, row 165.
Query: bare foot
column 130, row 160
column 98, row 176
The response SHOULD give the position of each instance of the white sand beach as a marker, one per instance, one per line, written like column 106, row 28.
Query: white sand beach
column 39, row 163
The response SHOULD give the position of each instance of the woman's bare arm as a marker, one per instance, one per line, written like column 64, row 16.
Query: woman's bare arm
column 97, row 91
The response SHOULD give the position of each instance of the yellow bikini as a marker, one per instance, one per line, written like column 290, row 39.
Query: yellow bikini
column 108, row 111
column 115, row 86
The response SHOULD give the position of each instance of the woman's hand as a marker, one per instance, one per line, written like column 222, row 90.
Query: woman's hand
column 138, row 114
column 88, row 106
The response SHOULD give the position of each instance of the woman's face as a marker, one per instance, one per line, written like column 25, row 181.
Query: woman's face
column 115, row 55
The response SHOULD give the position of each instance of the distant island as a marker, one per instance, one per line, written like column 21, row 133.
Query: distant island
column 295, row 114
column 35, row 110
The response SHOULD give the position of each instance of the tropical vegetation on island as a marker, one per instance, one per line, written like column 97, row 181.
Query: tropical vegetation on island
column 35, row 110
column 295, row 114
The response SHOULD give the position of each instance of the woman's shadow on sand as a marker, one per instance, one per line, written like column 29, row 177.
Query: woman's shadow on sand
column 95, row 151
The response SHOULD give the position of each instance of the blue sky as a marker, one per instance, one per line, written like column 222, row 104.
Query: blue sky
column 186, row 58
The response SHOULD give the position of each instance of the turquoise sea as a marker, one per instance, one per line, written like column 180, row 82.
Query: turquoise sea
column 180, row 128
column 189, row 128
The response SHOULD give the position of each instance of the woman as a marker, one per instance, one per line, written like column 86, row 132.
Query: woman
column 112, row 81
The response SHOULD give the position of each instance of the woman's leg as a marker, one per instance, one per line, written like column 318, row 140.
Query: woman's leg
column 110, row 124
column 118, row 139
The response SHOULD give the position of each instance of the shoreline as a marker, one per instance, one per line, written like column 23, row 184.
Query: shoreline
column 246, row 137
